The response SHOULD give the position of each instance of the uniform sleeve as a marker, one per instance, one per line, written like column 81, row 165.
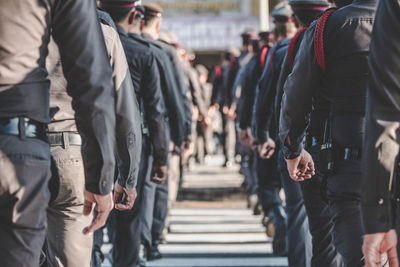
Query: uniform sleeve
column 86, row 67
column 175, row 102
column 296, row 103
column 285, row 71
column 264, row 103
column 381, row 143
column 128, row 121
column 196, row 91
column 154, row 110
column 247, row 96
column 216, row 89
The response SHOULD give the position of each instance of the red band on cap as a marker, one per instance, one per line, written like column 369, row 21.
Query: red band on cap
column 115, row 5
column 319, row 8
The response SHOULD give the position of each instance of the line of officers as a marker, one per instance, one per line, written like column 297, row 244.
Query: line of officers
column 94, row 105
column 318, row 115
column 116, row 85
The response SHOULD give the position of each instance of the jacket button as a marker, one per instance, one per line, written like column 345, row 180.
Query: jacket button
column 381, row 201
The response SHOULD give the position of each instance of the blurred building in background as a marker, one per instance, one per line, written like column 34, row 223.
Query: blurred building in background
column 209, row 27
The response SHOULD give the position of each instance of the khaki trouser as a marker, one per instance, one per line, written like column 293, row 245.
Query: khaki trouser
column 65, row 243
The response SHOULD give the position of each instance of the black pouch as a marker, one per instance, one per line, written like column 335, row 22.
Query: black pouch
column 327, row 155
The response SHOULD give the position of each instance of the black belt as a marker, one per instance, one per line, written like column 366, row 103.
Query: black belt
column 347, row 153
column 64, row 139
column 23, row 127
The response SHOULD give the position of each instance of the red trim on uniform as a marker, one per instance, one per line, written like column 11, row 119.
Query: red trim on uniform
column 263, row 56
column 232, row 63
column 319, row 39
column 218, row 72
column 293, row 41
column 116, row 5
column 271, row 62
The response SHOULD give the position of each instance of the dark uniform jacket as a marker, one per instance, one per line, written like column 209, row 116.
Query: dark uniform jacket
column 320, row 110
column 146, row 81
column 382, row 138
column 265, row 98
column 128, row 135
column 219, row 82
column 347, row 38
column 175, row 109
column 25, row 28
column 179, row 74
column 247, row 96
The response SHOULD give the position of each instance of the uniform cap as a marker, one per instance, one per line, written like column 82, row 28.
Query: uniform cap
column 139, row 11
column 309, row 4
column 118, row 3
column 282, row 12
column 152, row 10
column 249, row 33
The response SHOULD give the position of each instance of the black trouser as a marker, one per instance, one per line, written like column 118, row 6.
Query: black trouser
column 343, row 191
column 319, row 218
column 299, row 239
column 269, row 183
column 24, row 196
column 128, row 223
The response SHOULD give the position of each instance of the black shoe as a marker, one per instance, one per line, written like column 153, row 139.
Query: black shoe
column 97, row 258
column 142, row 262
column 154, row 253
column 278, row 217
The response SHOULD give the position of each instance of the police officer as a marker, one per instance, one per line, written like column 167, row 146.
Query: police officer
column 380, row 192
column 299, row 252
column 319, row 217
column 146, row 80
column 337, row 67
column 24, row 112
column 66, row 245
column 154, row 214
column 252, row 73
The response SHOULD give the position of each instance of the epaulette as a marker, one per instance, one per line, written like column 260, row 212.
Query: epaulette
column 292, row 44
column 319, row 38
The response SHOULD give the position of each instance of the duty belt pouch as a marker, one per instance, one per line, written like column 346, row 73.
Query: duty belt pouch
column 327, row 155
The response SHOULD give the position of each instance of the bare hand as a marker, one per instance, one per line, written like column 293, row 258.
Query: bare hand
column 245, row 137
column 124, row 198
column 158, row 174
column 302, row 167
column 102, row 208
column 377, row 244
column 267, row 149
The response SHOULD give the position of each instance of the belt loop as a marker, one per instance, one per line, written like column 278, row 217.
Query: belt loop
column 65, row 140
column 22, row 128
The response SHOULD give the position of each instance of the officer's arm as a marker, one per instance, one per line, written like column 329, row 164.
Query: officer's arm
column 284, row 73
column 128, row 125
column 87, row 68
column 197, row 94
column 381, row 146
column 297, row 99
column 154, row 110
column 246, row 101
column 177, row 116
column 264, row 103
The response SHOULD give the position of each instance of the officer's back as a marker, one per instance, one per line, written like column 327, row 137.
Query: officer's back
column 348, row 32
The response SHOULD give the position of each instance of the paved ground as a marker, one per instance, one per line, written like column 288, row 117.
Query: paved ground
column 210, row 225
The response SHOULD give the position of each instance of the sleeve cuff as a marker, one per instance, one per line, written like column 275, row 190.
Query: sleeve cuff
column 377, row 219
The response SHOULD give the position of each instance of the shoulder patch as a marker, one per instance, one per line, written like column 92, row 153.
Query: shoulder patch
column 319, row 38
